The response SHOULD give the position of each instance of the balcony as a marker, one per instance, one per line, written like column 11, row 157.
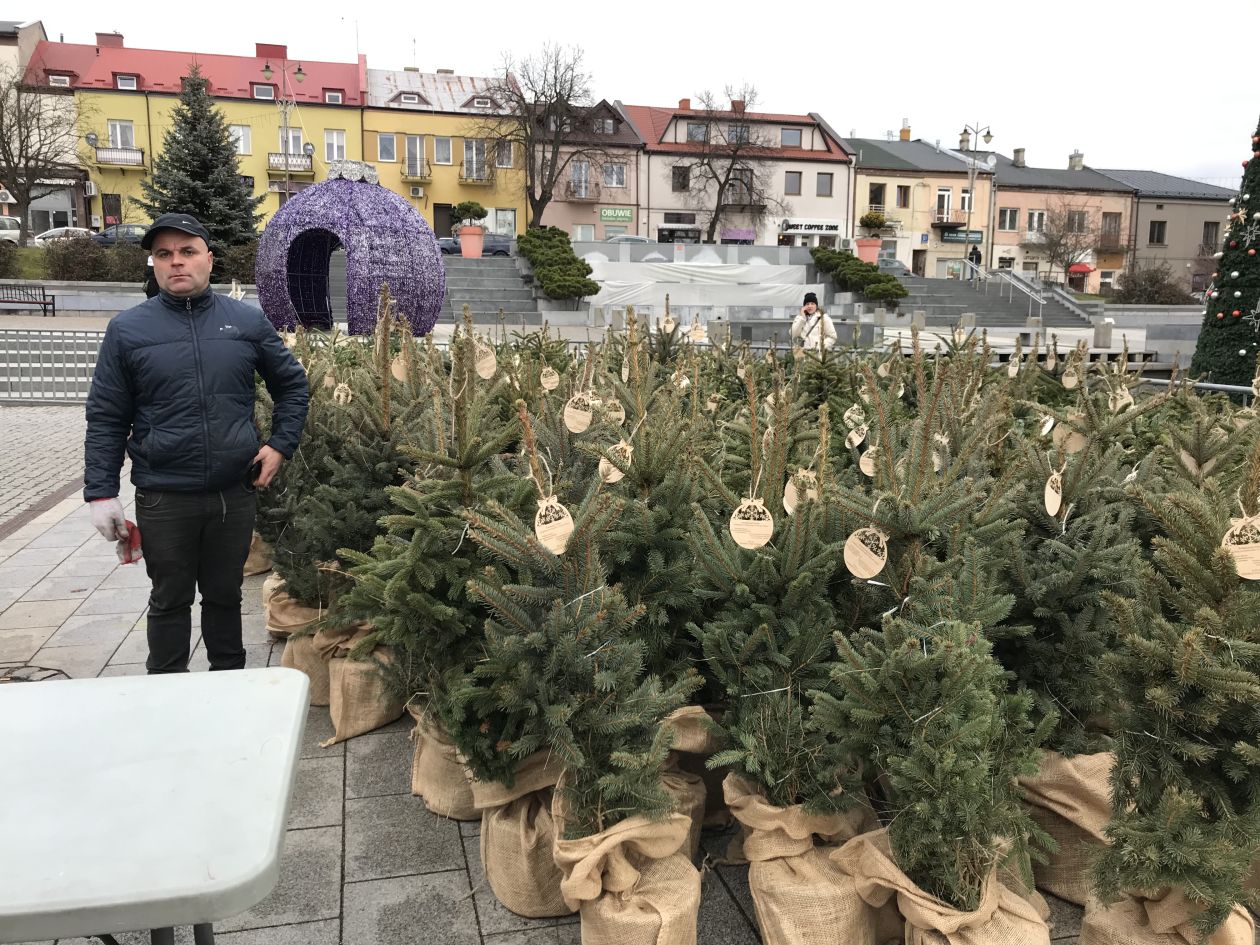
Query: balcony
column 1208, row 250
column 1111, row 243
column 416, row 171
column 948, row 219
column 476, row 173
column 120, row 157
column 581, row 190
column 280, row 163
column 1034, row 237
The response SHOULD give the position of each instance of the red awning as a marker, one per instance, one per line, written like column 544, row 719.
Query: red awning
column 1080, row 267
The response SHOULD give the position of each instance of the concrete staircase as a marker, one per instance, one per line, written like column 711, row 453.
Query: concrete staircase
column 945, row 300
column 486, row 285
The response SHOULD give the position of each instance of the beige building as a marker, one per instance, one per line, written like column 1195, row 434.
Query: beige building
column 935, row 203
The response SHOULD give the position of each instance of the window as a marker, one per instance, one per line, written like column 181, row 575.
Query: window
column 241, row 135
column 944, row 204
column 564, row 124
column 875, row 197
column 681, row 177
column 684, row 218
column 1008, row 219
column 1211, row 236
column 63, row 81
column 1110, row 235
column 475, row 159
column 604, row 126
column 697, row 131
column 614, row 175
column 1006, row 262
column 409, row 98
column 610, row 231
column 121, row 134
column 386, row 147
column 503, row 154
column 790, row 138
column 334, row 145
column 580, row 177
column 584, row 232
column 125, row 82
column 740, row 187
column 482, row 103
column 903, row 196
column 295, row 141
column 1077, row 221
column 1198, row 282
column 964, row 202
column 260, row 90
column 1158, row 233
column 792, row 183
column 1036, row 221
column 334, row 96
column 824, row 184
column 1106, row 280
column 415, row 155
column 441, row 150
column 737, row 134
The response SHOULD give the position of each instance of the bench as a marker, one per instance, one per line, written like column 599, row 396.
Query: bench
column 25, row 295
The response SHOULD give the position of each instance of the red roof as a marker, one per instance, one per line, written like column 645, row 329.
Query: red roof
column 160, row 70
column 653, row 122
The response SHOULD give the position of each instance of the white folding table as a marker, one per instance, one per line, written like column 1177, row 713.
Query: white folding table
column 144, row 802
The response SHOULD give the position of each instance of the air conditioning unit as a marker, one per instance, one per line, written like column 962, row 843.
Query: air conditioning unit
column 417, row 191
column 96, row 221
column 90, row 188
column 846, row 244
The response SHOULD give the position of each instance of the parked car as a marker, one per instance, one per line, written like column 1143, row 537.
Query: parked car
column 629, row 238
column 493, row 244
column 9, row 228
column 121, row 233
column 61, row 233
column 893, row 266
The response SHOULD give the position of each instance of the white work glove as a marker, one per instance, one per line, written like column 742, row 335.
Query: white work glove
column 108, row 519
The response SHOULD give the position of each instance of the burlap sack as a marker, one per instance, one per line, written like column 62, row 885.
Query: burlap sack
column 1002, row 918
column 259, row 560
column 693, row 731
column 301, row 653
column 437, row 772
column 1070, row 799
column 285, row 615
column 358, row 699
column 1162, row 920
column 1010, row 876
column 801, row 897
column 632, row 882
column 689, row 796
column 517, row 832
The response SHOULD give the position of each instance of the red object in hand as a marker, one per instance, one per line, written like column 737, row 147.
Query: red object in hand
column 133, row 542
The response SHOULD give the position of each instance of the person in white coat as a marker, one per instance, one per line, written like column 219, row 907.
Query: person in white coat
column 813, row 327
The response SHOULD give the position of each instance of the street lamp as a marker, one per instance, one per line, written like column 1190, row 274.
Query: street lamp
column 286, row 102
column 987, row 136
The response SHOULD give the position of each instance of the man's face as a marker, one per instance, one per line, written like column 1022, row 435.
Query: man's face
column 181, row 263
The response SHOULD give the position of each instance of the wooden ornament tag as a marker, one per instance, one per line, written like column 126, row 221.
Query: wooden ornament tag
column 752, row 525
column 866, row 552
column 941, row 440
column 1070, row 440
column 1243, row 417
column 712, row 404
column 740, row 371
column 610, row 473
column 856, row 436
column 1052, row 361
column 1054, row 494
column 614, row 412
column 681, row 380
column 668, row 324
column 1121, row 401
column 791, row 492
column 549, row 378
column 867, row 461
column 330, row 379
column 1242, row 541
column 485, row 363
column 290, row 338
column 1070, row 379
column 865, row 395
column 901, row 390
column 882, row 370
column 698, row 333
column 553, row 525
column 578, row 413
column 854, row 416
column 1012, row 367
column 625, row 369
column 342, row 394
column 398, row 368
column 1047, row 425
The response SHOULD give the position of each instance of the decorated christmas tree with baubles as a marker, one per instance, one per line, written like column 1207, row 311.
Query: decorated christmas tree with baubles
column 1229, row 339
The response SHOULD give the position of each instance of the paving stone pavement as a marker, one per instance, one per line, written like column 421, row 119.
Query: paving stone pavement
column 43, row 450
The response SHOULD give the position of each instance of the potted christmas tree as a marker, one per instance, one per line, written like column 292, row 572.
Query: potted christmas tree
column 471, row 232
column 873, row 223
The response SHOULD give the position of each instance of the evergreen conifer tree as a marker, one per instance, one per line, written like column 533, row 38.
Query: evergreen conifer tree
column 1230, row 337
column 197, row 171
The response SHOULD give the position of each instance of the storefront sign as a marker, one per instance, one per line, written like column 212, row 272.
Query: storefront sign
column 962, row 236
column 616, row 214
column 832, row 227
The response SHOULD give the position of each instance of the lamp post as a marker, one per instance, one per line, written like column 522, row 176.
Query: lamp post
column 967, row 132
column 286, row 102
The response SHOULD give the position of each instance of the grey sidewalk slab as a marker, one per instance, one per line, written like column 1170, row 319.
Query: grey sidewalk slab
column 20, row 646
column 327, row 932
column 409, row 910
column 23, row 577
column 309, row 887
column 77, row 662
column 395, row 835
column 122, row 600
column 46, row 613
column 106, row 630
column 379, row 764
column 62, row 588
column 318, row 793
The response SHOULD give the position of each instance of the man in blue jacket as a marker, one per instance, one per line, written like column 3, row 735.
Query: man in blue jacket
column 174, row 389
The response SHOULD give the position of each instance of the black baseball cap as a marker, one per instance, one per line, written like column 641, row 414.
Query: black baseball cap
column 184, row 222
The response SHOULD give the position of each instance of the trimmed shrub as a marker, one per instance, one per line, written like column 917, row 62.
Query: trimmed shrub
column 557, row 269
column 77, row 260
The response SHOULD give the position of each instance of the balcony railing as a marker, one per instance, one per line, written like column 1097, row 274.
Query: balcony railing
column 581, row 190
column 416, row 170
column 476, row 172
column 1111, row 243
column 1034, row 236
column 120, row 157
column 1209, row 249
column 293, row 163
column 948, row 218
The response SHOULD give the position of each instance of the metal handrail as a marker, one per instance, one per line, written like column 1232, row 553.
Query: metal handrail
column 1246, row 392
column 1013, row 283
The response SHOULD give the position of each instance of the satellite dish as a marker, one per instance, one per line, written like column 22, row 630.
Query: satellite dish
column 991, row 161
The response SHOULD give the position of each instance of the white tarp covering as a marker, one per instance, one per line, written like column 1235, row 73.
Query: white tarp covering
column 653, row 293
column 700, row 274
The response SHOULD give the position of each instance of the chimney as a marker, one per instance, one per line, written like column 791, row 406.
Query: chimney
column 684, row 104
column 1018, row 157
column 445, row 71
column 110, row 40
column 1076, row 161
column 270, row 51
column 737, row 106
column 964, row 141
column 905, row 129
column 411, row 68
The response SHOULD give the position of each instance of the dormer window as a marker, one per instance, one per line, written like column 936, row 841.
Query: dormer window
column 126, row 83
column 334, row 96
column 61, row 81
column 604, row 126
column 482, row 103
column 267, row 92
column 408, row 98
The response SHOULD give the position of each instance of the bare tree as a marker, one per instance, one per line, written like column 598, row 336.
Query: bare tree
column 39, row 136
column 730, row 173
column 544, row 109
column 1070, row 234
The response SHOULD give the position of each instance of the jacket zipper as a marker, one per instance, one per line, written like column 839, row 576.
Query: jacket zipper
column 201, row 396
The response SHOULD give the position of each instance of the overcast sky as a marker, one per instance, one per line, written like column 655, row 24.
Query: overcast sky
column 1163, row 85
